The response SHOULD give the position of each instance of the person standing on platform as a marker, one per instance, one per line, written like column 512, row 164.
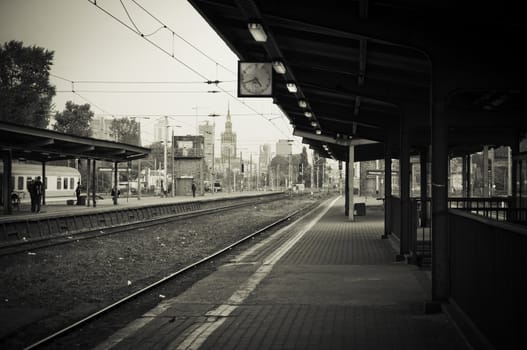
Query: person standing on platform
column 37, row 190
column 31, row 190
column 193, row 189
column 115, row 194
column 78, row 193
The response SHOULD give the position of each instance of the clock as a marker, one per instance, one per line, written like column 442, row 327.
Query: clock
column 255, row 79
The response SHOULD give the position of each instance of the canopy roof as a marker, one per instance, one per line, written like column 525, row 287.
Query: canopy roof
column 30, row 143
column 366, row 68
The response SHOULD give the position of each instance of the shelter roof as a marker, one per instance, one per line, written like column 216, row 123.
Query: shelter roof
column 30, row 143
column 365, row 66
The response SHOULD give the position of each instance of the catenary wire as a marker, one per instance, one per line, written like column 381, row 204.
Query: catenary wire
column 183, row 63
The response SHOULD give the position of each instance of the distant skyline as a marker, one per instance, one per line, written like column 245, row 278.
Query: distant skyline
column 121, row 74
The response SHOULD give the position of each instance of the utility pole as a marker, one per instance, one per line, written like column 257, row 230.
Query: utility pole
column 229, row 171
column 139, row 179
column 173, row 190
column 278, row 176
column 312, row 169
column 165, row 155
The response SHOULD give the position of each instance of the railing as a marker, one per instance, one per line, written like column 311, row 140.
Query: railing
column 420, row 233
column 495, row 208
column 188, row 153
column 488, row 273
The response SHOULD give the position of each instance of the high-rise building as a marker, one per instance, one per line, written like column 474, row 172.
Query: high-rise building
column 161, row 130
column 208, row 132
column 228, row 142
column 284, row 148
column 265, row 156
column 100, row 127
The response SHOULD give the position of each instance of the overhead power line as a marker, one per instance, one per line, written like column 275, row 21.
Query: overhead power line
column 171, row 54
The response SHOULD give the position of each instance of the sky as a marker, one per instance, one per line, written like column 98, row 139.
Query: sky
column 121, row 74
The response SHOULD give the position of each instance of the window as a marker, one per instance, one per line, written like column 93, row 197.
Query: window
column 46, row 183
column 65, row 183
column 72, row 183
column 59, row 183
column 20, row 183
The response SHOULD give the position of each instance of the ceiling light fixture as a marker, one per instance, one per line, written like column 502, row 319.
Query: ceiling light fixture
column 257, row 32
column 302, row 103
column 291, row 87
column 308, row 114
column 318, row 132
column 279, row 67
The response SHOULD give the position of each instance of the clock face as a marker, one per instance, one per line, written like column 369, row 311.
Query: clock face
column 255, row 79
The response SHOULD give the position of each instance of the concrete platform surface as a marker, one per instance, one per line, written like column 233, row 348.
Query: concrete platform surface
column 321, row 283
column 57, row 206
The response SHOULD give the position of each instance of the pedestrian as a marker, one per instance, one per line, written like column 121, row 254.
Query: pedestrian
column 78, row 193
column 115, row 194
column 37, row 190
column 193, row 189
column 31, row 190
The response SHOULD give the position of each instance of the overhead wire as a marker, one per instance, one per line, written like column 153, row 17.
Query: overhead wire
column 94, row 2
column 183, row 39
column 143, row 91
column 76, row 92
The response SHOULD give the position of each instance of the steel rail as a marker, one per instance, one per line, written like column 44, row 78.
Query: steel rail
column 171, row 276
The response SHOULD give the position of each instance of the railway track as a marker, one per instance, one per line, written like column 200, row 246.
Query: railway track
column 170, row 277
column 67, row 238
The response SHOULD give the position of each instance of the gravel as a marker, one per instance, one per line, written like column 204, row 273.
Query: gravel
column 70, row 281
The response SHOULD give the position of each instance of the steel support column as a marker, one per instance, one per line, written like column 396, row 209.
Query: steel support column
column 440, row 237
column 404, row 188
column 465, row 174
column 423, row 162
column 346, row 190
column 485, row 171
column 88, row 180
column 94, row 184
column 44, row 183
column 515, row 185
column 115, row 182
column 387, row 189
column 351, row 157
column 7, row 186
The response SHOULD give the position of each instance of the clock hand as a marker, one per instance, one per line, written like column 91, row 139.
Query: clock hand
column 254, row 81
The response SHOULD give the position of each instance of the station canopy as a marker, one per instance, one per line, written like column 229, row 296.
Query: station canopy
column 28, row 143
column 365, row 69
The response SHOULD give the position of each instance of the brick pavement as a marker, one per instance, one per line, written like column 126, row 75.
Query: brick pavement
column 337, row 287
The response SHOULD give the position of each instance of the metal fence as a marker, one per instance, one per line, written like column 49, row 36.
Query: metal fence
column 488, row 276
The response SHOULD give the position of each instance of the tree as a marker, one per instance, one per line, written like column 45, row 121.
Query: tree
column 156, row 155
column 126, row 131
column 279, row 166
column 75, row 119
column 304, row 176
column 25, row 91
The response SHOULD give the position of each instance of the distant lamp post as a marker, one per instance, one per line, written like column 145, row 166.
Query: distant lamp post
column 290, row 170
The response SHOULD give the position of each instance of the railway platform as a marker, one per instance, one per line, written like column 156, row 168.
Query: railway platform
column 322, row 282
column 59, row 219
column 57, row 206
